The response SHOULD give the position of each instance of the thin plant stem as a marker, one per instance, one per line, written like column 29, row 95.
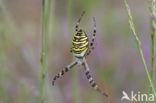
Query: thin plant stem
column 153, row 33
column 74, row 73
column 139, row 46
column 45, row 31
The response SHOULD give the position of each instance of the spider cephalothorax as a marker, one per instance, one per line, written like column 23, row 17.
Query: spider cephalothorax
column 81, row 48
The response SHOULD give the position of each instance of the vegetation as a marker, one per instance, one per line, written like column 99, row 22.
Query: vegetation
column 35, row 41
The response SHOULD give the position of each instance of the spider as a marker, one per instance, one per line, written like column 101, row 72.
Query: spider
column 81, row 48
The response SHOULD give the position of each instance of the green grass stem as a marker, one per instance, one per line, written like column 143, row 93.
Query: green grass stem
column 153, row 33
column 139, row 46
column 46, row 4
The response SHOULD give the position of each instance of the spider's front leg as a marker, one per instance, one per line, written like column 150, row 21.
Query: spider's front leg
column 90, row 79
column 66, row 69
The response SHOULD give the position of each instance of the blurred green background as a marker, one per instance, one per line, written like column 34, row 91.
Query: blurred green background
column 115, row 62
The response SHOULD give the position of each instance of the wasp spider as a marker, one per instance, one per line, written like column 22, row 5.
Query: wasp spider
column 81, row 49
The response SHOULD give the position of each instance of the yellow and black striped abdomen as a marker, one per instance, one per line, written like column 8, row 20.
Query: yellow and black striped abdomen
column 80, row 44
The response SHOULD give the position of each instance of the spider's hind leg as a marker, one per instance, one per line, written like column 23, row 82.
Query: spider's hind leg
column 94, row 32
column 78, row 22
column 93, row 38
column 71, row 50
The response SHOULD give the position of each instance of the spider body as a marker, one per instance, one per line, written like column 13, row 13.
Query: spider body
column 80, row 44
column 81, row 48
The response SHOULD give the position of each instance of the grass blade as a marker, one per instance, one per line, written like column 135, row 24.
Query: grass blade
column 139, row 46
column 153, row 33
column 45, row 31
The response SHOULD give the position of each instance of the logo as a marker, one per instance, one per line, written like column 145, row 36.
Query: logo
column 137, row 97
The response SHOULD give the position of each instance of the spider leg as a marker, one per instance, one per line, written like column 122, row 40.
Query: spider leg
column 66, row 69
column 78, row 22
column 90, row 79
column 93, row 38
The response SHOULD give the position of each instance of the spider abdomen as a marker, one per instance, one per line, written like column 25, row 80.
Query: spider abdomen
column 80, row 44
